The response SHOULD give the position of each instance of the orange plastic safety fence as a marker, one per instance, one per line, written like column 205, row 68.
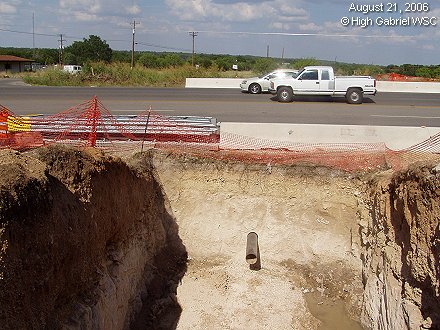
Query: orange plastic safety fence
column 402, row 78
column 15, row 131
column 91, row 124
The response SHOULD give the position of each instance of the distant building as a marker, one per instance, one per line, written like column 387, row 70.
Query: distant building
column 13, row 64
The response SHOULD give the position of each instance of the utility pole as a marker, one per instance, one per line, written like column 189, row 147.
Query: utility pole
column 33, row 34
column 132, row 47
column 194, row 35
column 267, row 51
column 61, row 52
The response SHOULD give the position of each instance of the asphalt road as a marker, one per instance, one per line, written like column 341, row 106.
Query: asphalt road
column 228, row 105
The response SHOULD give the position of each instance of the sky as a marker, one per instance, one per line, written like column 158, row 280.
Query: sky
column 370, row 32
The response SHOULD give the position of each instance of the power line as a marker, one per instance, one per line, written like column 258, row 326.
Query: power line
column 116, row 40
column 307, row 34
column 23, row 32
column 163, row 47
column 43, row 34
column 66, row 36
column 233, row 32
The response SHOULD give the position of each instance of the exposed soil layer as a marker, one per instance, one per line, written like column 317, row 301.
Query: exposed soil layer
column 401, row 250
column 157, row 241
column 80, row 233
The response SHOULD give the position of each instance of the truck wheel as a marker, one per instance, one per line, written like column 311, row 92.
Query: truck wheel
column 255, row 89
column 354, row 96
column 285, row 94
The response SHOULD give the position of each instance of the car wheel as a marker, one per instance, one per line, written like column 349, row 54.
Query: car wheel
column 255, row 89
column 285, row 94
column 354, row 96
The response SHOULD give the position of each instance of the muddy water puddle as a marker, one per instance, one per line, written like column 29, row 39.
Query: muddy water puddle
column 331, row 313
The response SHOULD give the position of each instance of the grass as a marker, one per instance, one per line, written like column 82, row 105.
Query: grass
column 121, row 74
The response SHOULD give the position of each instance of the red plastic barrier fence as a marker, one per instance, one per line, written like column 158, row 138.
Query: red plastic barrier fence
column 91, row 124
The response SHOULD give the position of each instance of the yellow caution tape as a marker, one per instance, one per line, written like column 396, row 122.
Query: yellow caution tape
column 19, row 124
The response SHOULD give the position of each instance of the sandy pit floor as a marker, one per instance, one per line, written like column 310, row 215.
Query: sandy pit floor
column 307, row 222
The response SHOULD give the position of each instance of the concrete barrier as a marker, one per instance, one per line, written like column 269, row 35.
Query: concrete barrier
column 382, row 86
column 408, row 87
column 394, row 137
column 213, row 82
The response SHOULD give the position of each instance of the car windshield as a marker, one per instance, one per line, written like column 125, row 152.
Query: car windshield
column 265, row 75
column 279, row 74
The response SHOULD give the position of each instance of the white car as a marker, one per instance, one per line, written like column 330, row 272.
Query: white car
column 256, row 85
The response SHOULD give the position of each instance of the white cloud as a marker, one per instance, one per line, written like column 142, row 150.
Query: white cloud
column 280, row 26
column 310, row 27
column 295, row 19
column 133, row 10
column 86, row 17
column 77, row 4
column 103, row 8
column 7, row 8
column 202, row 10
column 428, row 47
column 289, row 9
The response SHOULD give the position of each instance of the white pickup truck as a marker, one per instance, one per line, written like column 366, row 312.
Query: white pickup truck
column 321, row 80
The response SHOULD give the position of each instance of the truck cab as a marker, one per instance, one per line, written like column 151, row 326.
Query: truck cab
column 315, row 80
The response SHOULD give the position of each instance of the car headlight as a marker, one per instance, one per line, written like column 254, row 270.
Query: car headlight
column 244, row 82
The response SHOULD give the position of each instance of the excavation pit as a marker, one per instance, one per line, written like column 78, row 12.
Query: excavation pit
column 156, row 241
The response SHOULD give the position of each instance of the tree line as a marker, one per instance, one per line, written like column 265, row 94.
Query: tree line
column 94, row 49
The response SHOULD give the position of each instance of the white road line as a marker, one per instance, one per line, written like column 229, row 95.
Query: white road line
column 419, row 117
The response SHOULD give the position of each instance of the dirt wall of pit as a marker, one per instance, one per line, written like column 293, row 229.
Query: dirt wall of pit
column 401, row 250
column 80, row 236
